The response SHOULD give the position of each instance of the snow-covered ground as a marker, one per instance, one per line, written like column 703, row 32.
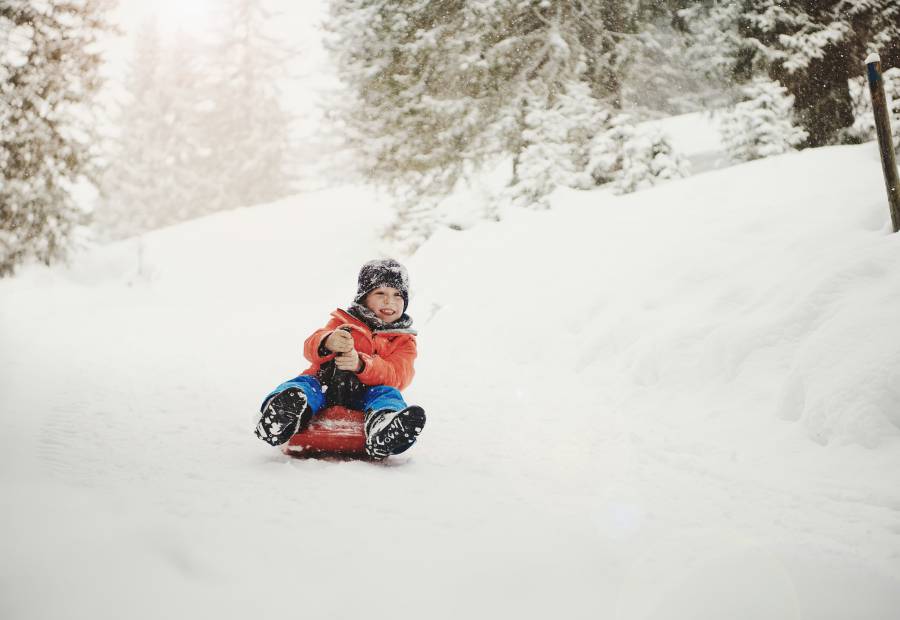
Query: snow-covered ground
column 695, row 137
column 677, row 404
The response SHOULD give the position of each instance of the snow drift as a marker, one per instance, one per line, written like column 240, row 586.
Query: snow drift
column 775, row 279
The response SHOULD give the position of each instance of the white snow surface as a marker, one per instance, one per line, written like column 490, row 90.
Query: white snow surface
column 696, row 137
column 676, row 404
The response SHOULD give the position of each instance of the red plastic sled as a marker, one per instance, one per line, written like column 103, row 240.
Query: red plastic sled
column 335, row 431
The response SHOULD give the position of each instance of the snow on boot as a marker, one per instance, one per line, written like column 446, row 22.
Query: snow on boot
column 285, row 414
column 392, row 432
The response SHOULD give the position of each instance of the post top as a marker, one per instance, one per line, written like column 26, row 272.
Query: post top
column 873, row 57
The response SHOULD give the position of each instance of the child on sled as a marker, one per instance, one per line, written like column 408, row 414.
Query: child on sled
column 361, row 360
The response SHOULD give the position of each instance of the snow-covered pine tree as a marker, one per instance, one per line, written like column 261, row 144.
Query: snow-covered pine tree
column 49, row 75
column 406, row 110
column 715, row 45
column 812, row 48
column 134, row 181
column 556, row 133
column 156, row 175
column 665, row 163
column 556, row 48
column 666, row 75
column 248, row 130
column 762, row 125
column 202, row 129
column 718, row 40
column 633, row 158
column 584, row 117
column 196, row 186
column 547, row 158
column 437, row 88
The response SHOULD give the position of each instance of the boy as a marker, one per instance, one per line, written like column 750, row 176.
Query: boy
column 361, row 359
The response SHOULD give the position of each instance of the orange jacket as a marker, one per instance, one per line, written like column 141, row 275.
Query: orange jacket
column 388, row 356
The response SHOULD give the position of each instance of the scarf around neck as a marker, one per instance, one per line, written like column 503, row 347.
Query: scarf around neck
column 400, row 326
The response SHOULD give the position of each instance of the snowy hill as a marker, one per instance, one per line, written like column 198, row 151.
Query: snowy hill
column 680, row 403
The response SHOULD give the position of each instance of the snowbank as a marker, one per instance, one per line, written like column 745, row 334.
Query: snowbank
column 775, row 279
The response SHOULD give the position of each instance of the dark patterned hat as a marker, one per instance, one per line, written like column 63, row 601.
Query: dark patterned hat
column 382, row 272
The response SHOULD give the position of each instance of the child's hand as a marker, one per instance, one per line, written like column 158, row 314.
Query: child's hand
column 339, row 341
column 348, row 361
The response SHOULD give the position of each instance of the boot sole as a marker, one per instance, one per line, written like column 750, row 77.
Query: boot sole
column 290, row 410
column 399, row 434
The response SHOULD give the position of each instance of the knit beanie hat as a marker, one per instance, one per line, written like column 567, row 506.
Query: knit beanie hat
column 382, row 272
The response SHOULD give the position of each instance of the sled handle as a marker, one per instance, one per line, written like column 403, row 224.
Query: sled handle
column 339, row 397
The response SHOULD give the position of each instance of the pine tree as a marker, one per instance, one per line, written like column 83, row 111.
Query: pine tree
column 248, row 131
column 157, row 173
column 202, row 129
column 632, row 158
column 439, row 88
column 556, row 133
column 49, row 75
column 137, row 184
column 546, row 159
column 667, row 76
column 185, row 91
column 812, row 48
column 762, row 125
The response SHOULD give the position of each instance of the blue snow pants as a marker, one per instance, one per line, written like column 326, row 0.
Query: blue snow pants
column 373, row 398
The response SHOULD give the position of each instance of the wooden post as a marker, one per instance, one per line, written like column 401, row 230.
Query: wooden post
column 885, row 140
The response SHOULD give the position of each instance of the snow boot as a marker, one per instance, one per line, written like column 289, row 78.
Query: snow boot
column 392, row 432
column 285, row 414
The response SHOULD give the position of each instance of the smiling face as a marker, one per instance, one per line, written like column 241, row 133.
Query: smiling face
column 386, row 303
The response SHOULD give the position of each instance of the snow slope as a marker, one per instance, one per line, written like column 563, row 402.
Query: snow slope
column 680, row 403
